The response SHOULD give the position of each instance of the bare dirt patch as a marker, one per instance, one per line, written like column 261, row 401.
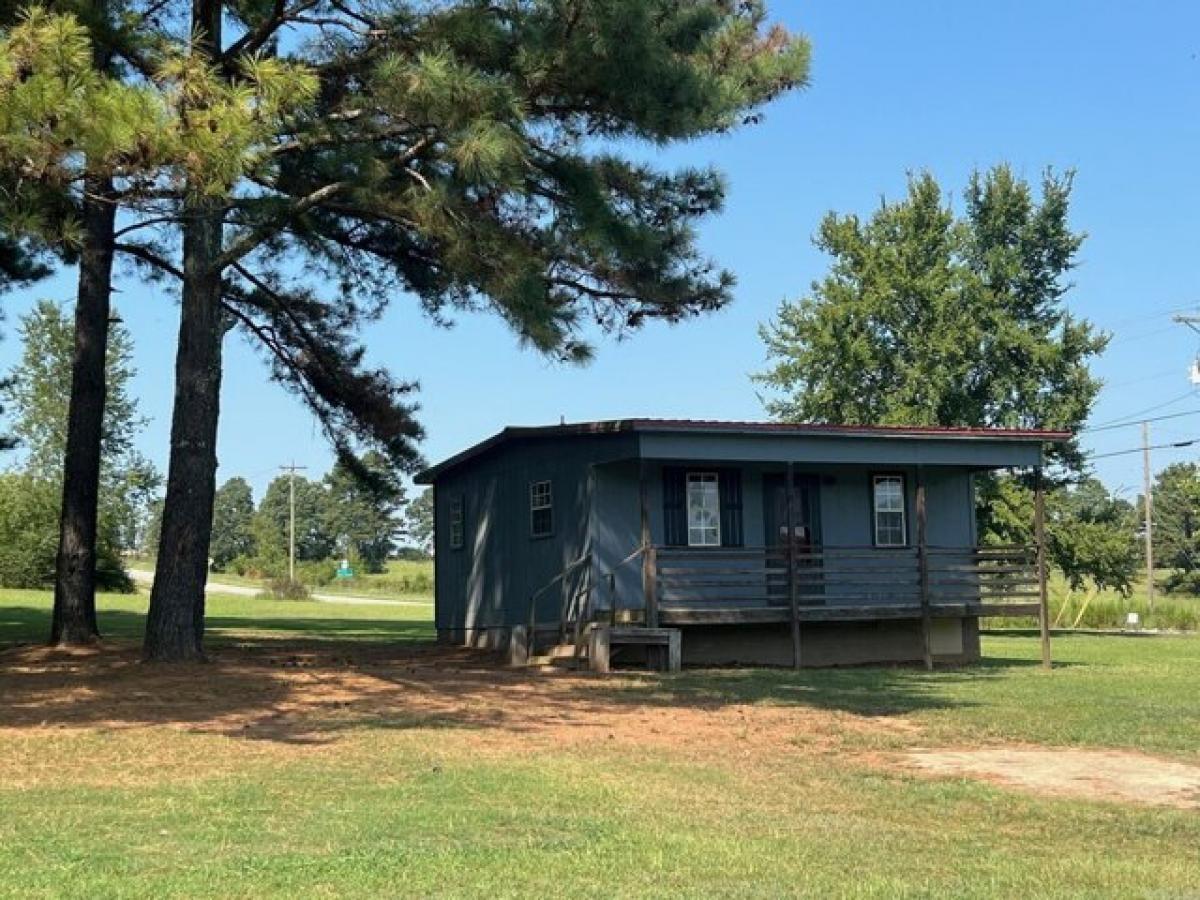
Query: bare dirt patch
column 1094, row 774
column 288, row 698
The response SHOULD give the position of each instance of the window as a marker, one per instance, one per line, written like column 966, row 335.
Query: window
column 888, row 496
column 541, row 509
column 457, row 522
column 703, row 509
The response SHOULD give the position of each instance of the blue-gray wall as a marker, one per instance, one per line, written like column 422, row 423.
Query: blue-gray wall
column 489, row 581
column 595, row 480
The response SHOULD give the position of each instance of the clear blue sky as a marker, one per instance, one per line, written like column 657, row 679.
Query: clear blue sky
column 1109, row 89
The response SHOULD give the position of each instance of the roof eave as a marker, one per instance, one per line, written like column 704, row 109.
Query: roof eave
column 430, row 475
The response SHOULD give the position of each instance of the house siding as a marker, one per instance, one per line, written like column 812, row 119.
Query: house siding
column 487, row 584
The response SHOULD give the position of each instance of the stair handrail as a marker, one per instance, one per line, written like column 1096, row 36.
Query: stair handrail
column 586, row 592
column 533, row 598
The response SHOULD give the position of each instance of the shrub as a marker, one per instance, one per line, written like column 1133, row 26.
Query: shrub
column 316, row 573
column 29, row 537
column 286, row 589
column 1182, row 582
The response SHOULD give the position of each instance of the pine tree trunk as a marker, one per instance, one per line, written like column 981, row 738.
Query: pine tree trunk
column 74, row 619
column 175, row 625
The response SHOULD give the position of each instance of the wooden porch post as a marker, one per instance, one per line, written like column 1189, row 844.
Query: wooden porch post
column 649, row 560
column 1039, row 528
column 923, row 573
column 791, row 568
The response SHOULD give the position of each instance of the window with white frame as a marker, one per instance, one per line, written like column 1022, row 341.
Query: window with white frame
column 457, row 522
column 890, row 527
column 703, row 509
column 541, row 509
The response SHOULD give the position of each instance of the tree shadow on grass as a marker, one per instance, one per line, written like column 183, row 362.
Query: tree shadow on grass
column 306, row 681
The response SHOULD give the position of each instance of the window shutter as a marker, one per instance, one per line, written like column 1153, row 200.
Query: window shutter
column 674, row 506
column 731, row 507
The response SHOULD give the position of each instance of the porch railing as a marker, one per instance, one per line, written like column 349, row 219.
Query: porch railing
column 767, row 577
column 797, row 584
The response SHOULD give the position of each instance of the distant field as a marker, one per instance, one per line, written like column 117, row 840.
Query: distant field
column 25, row 617
column 333, row 751
column 403, row 579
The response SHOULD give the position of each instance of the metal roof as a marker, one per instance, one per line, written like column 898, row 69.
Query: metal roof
column 711, row 426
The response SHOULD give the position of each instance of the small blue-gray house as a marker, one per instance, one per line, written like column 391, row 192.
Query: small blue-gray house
column 759, row 543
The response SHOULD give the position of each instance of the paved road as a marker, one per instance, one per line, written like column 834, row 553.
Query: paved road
column 241, row 590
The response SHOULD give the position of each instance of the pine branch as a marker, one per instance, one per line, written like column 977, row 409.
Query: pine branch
column 251, row 240
column 254, row 39
column 148, row 256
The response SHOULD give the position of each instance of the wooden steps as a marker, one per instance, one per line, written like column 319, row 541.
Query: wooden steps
column 561, row 656
column 596, row 647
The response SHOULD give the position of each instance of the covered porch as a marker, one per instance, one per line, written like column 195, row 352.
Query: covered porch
column 809, row 568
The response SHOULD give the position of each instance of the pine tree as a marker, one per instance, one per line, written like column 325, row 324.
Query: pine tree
column 454, row 152
column 364, row 518
column 78, row 140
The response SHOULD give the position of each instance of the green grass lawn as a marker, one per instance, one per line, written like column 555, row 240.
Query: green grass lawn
column 788, row 794
column 24, row 617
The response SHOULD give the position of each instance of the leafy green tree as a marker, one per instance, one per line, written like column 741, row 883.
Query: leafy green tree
column 1093, row 535
column 418, row 521
column 233, row 523
column 463, row 153
column 41, row 392
column 1090, row 534
column 1176, row 533
column 38, row 395
column 363, row 515
column 314, row 539
column 928, row 318
column 20, row 264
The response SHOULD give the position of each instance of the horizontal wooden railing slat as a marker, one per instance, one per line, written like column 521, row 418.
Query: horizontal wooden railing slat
column 888, row 580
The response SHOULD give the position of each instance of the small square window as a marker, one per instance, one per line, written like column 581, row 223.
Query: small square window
column 458, row 518
column 703, row 509
column 888, row 499
column 541, row 509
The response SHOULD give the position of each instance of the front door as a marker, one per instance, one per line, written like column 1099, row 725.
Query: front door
column 804, row 534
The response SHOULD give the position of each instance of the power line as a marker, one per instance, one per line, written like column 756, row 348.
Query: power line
column 1140, row 449
column 1142, row 317
column 1123, row 424
column 1122, row 340
column 1175, row 372
column 1140, row 415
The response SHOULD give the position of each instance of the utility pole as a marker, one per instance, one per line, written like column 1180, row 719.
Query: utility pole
column 1148, row 507
column 292, row 470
